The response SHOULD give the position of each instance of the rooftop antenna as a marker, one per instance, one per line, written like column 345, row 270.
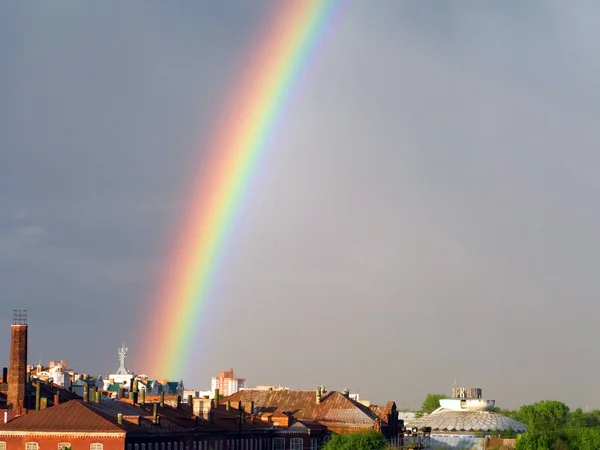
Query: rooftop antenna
column 122, row 355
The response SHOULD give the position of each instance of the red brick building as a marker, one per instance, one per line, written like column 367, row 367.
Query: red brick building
column 110, row 425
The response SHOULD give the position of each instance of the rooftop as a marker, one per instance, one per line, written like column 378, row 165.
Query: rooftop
column 334, row 407
column 447, row 420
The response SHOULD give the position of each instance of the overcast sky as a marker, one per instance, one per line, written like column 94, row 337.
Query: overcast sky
column 429, row 211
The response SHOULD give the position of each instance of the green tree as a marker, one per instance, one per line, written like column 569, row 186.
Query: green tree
column 544, row 416
column 587, row 439
column 430, row 404
column 533, row 441
column 371, row 440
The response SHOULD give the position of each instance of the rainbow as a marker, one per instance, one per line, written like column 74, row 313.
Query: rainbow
column 234, row 152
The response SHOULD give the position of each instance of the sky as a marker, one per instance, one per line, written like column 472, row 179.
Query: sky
column 427, row 215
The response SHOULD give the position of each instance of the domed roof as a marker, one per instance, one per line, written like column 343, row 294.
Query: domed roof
column 448, row 420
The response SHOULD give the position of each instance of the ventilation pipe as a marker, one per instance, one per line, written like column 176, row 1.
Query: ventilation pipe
column 120, row 419
column 227, row 405
column 162, row 399
column 318, row 395
column 134, row 390
column 86, row 392
column 38, row 388
column 56, row 399
column 43, row 403
column 155, row 414
column 94, row 392
column 189, row 401
column 142, row 397
column 216, row 399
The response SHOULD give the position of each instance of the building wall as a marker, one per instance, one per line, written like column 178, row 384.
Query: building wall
column 51, row 442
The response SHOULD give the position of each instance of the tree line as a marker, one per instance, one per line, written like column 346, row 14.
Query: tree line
column 551, row 425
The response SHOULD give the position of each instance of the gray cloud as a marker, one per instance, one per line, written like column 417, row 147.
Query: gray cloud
column 426, row 212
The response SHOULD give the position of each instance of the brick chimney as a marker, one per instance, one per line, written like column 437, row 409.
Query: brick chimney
column 17, row 374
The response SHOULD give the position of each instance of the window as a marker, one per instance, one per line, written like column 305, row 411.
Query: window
column 31, row 446
column 296, row 444
column 61, row 446
column 278, row 444
column 2, row 445
column 96, row 447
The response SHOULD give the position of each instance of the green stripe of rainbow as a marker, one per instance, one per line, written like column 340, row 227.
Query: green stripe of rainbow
column 234, row 153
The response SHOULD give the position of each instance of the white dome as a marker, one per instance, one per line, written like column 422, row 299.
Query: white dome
column 447, row 420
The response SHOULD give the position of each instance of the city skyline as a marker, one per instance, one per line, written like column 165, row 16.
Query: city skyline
column 429, row 201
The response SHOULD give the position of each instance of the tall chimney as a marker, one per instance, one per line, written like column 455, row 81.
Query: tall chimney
column 142, row 397
column 94, row 392
column 17, row 375
column 318, row 395
column 5, row 374
column 162, row 399
column 189, row 400
column 154, row 414
column 44, row 403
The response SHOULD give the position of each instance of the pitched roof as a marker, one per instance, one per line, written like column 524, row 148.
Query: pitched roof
column 333, row 408
column 73, row 415
column 337, row 408
column 384, row 411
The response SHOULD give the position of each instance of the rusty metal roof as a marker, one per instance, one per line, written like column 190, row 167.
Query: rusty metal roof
column 334, row 406
column 383, row 411
column 337, row 408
